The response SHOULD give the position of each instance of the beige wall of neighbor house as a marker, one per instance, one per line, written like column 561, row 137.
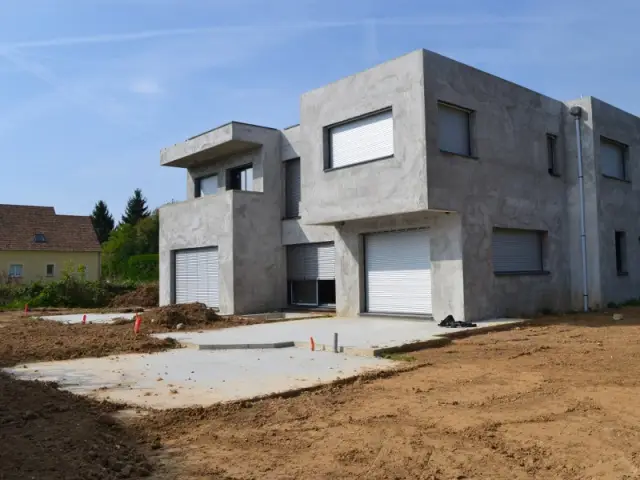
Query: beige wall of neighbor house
column 34, row 264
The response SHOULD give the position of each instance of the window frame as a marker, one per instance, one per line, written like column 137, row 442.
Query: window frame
column 625, row 160
column 470, row 128
column 542, row 238
column 328, row 157
column 239, row 170
column 552, row 154
column 53, row 270
column 620, row 245
column 21, row 265
column 287, row 214
column 198, row 184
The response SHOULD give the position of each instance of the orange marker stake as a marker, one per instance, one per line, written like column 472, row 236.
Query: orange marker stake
column 26, row 308
column 84, row 319
column 136, row 325
column 313, row 344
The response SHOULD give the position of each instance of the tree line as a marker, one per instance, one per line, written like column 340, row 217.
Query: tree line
column 130, row 248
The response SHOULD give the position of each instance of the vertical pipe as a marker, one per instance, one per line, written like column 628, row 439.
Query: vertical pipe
column 335, row 343
column 576, row 112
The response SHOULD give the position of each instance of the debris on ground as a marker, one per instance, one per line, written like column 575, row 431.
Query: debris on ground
column 450, row 322
column 187, row 314
column 48, row 433
column 146, row 295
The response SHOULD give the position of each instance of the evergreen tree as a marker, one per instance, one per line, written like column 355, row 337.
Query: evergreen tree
column 136, row 208
column 102, row 221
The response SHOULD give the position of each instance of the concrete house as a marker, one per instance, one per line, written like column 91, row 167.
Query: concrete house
column 421, row 186
column 38, row 244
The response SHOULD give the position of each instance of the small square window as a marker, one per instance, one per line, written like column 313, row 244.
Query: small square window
column 51, row 270
column 621, row 253
column 207, row 185
column 240, row 178
column 454, row 129
column 15, row 270
column 39, row 238
column 552, row 154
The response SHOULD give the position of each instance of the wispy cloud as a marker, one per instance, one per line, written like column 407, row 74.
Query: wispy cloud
column 146, row 86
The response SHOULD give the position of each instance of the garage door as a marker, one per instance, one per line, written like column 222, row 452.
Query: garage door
column 398, row 272
column 197, row 276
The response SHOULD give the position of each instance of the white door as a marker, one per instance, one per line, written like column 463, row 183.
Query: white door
column 197, row 276
column 398, row 272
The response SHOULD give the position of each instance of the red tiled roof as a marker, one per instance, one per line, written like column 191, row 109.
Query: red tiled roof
column 63, row 233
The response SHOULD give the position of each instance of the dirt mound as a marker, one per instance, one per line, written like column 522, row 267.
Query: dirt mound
column 47, row 433
column 188, row 314
column 146, row 295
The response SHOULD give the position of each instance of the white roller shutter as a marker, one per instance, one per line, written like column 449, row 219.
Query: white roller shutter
column 612, row 159
column 398, row 272
column 208, row 185
column 361, row 140
column 196, row 276
column 453, row 130
column 516, row 250
column 314, row 261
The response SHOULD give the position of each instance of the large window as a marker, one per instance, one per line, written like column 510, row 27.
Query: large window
column 454, row 129
column 621, row 253
column 207, row 185
column 613, row 159
column 361, row 140
column 292, row 188
column 311, row 274
column 240, row 178
column 517, row 251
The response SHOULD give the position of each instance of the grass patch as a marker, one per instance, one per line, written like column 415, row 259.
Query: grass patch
column 399, row 357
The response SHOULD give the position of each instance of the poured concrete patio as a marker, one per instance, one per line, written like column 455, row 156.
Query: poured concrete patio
column 91, row 317
column 367, row 336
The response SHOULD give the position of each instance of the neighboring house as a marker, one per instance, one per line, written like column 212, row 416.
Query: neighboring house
column 421, row 186
column 37, row 244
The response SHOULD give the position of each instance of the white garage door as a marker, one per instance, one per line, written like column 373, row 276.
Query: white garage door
column 197, row 276
column 398, row 272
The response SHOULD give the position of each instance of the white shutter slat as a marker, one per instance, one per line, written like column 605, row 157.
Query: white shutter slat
column 398, row 272
column 361, row 140
column 197, row 276
column 314, row 261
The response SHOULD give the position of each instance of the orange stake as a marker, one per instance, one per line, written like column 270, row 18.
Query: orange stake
column 84, row 319
column 136, row 325
column 26, row 308
column 313, row 344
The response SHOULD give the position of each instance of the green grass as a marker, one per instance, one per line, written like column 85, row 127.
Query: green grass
column 399, row 357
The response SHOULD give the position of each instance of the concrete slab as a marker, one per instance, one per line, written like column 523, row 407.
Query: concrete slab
column 358, row 335
column 185, row 377
column 91, row 317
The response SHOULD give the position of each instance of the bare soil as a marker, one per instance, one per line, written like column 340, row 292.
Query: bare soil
column 556, row 400
column 146, row 295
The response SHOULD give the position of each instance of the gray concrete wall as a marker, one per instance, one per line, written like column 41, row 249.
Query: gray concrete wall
column 446, row 260
column 356, row 191
column 290, row 146
column 202, row 222
column 618, row 203
column 505, row 184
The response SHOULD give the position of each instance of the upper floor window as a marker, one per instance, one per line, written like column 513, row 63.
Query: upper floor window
column 360, row 140
column 613, row 158
column 454, row 129
column 552, row 154
column 240, row 178
column 517, row 251
column 39, row 238
column 15, row 270
column 207, row 185
column 292, row 188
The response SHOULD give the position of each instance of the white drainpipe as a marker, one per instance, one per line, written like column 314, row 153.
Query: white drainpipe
column 577, row 113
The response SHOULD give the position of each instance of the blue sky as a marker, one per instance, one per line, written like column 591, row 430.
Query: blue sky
column 91, row 90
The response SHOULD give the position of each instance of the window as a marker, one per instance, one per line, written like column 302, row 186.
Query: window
column 454, row 129
column 240, row 178
column 292, row 188
column 621, row 253
column 552, row 154
column 360, row 140
column 613, row 159
column 50, row 270
column 15, row 270
column 517, row 251
column 39, row 238
column 207, row 185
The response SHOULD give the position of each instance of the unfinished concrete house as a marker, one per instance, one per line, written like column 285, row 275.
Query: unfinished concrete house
column 422, row 187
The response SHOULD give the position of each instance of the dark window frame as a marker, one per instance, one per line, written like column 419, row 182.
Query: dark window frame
column 231, row 172
column 621, row 252
column 53, row 270
column 197, row 183
column 542, row 246
column 470, row 128
column 625, row 158
column 39, row 238
column 287, row 214
column 552, row 154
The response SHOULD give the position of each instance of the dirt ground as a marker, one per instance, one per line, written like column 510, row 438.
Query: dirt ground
column 556, row 400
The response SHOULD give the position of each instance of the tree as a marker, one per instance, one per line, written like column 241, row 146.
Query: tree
column 102, row 221
column 136, row 208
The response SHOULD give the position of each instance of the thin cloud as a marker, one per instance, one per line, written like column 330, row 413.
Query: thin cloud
column 146, row 86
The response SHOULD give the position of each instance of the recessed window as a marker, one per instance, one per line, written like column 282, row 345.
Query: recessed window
column 240, row 178
column 361, row 140
column 454, row 129
column 613, row 158
column 552, row 154
column 207, row 185
column 15, row 270
column 621, row 253
column 51, row 270
column 517, row 251
column 292, row 188
column 39, row 238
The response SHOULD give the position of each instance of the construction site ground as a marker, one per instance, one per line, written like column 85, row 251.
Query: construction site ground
column 558, row 399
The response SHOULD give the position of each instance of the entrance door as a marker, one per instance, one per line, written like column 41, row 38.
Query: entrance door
column 398, row 272
column 196, row 276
